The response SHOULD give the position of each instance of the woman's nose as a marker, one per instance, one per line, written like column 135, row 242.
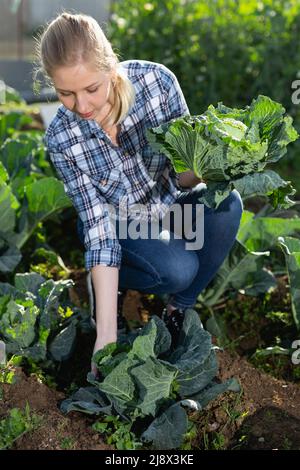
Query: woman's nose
column 82, row 106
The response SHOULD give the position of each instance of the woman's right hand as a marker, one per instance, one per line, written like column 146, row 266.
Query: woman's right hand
column 99, row 344
column 105, row 283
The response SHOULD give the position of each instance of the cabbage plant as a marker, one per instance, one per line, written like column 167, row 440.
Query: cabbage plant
column 147, row 382
column 230, row 149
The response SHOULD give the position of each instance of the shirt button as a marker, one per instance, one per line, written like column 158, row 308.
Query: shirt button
column 103, row 182
column 127, row 154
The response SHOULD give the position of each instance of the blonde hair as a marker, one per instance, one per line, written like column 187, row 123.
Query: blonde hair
column 71, row 39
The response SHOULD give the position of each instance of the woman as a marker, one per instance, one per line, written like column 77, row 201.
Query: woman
column 97, row 143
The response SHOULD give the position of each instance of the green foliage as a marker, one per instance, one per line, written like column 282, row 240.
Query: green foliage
column 19, row 219
column 35, row 321
column 50, row 264
column 189, row 436
column 230, row 148
column 9, row 94
column 29, row 193
column 242, row 270
column 266, row 324
column 16, row 424
column 12, row 122
column 220, row 50
column 117, row 432
column 7, row 370
column 275, row 361
column 245, row 268
column 291, row 248
column 218, row 441
column 260, row 233
column 152, row 383
column 67, row 443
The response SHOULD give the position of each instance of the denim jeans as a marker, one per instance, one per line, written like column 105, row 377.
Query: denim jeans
column 165, row 266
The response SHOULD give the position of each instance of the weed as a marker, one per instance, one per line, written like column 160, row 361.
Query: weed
column 284, row 317
column 214, row 440
column 189, row 436
column 117, row 433
column 274, row 364
column 242, row 441
column 296, row 373
column 7, row 370
column 33, row 369
column 68, row 443
column 232, row 409
column 287, row 444
column 218, row 441
column 16, row 424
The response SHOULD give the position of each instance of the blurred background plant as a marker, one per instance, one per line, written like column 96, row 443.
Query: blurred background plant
column 221, row 50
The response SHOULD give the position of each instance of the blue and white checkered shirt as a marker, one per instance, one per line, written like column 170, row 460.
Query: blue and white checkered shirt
column 95, row 172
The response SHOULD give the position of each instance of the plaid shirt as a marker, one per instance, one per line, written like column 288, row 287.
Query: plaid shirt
column 96, row 173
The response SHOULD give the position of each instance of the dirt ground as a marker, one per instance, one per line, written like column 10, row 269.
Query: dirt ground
column 56, row 431
column 266, row 415
column 269, row 412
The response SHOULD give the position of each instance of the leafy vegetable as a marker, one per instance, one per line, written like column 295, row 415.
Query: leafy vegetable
column 229, row 149
column 152, row 385
column 29, row 192
column 291, row 249
column 31, row 323
column 261, row 233
column 241, row 270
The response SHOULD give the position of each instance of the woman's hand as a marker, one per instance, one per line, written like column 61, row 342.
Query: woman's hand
column 99, row 344
column 188, row 179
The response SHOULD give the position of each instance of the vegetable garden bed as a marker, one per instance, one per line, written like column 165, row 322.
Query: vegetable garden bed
column 251, row 311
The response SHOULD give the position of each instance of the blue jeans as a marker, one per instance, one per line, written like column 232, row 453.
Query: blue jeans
column 164, row 265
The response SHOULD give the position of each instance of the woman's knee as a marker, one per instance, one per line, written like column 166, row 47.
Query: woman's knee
column 233, row 204
column 179, row 274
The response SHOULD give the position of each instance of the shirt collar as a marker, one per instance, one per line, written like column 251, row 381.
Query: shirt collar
column 88, row 127
column 73, row 121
